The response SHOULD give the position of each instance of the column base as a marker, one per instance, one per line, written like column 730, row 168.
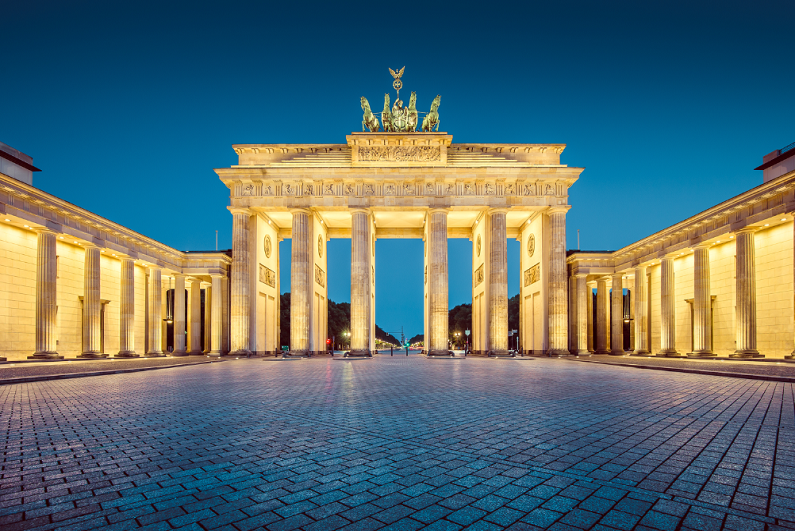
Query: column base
column 240, row 352
column 746, row 354
column 45, row 356
column 179, row 353
column 601, row 352
column 583, row 353
column 363, row 353
column 703, row 354
column 640, row 353
column 92, row 355
column 558, row 353
column 447, row 353
column 3, row 360
column 499, row 353
column 670, row 354
column 126, row 354
column 155, row 354
column 618, row 352
column 195, row 353
column 215, row 354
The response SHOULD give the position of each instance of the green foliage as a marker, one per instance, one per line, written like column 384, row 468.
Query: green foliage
column 339, row 319
column 513, row 312
column 417, row 338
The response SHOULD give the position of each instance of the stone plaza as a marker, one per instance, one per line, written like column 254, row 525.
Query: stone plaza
column 328, row 444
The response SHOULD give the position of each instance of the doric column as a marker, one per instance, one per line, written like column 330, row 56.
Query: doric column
column 155, row 313
column 498, row 284
column 640, row 294
column 127, row 309
column 591, row 323
column 179, row 316
column 360, row 282
column 300, row 286
column 46, row 296
column 745, row 295
column 216, row 316
column 667, row 308
column 602, row 305
column 617, row 316
column 92, row 335
column 582, row 295
column 195, row 317
column 558, row 300
column 240, row 282
column 437, row 282
column 702, row 304
column 208, row 323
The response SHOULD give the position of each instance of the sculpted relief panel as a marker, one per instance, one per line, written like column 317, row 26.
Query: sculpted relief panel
column 267, row 276
column 400, row 153
column 478, row 276
column 320, row 276
column 532, row 275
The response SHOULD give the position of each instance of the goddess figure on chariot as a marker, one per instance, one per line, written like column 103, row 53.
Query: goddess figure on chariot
column 400, row 119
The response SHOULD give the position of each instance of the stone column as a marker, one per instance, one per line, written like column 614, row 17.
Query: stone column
column 92, row 335
column 558, row 301
column 155, row 313
column 602, row 304
column 667, row 308
column 240, row 282
column 498, row 284
column 300, row 286
column 216, row 316
column 702, row 304
column 437, row 282
column 360, row 283
column 591, row 324
column 46, row 296
column 745, row 295
column 582, row 295
column 127, row 310
column 179, row 316
column 641, row 313
column 617, row 316
column 195, row 317
column 208, row 323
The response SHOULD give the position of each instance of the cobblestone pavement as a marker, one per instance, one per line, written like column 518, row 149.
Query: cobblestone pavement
column 760, row 368
column 398, row 443
column 26, row 369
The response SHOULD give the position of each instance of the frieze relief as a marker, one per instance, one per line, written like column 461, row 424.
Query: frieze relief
column 267, row 276
column 369, row 189
column 389, row 189
column 532, row 275
column 478, row 275
column 399, row 153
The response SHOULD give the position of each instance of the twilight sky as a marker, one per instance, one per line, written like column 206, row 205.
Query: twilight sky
column 128, row 106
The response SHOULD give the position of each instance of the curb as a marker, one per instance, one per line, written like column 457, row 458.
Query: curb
column 784, row 379
column 45, row 377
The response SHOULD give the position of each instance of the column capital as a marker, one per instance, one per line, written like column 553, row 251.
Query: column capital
column 306, row 211
column 442, row 210
column 359, row 209
column 703, row 245
column 239, row 210
column 497, row 210
column 89, row 245
column 558, row 209
column 44, row 230
column 747, row 230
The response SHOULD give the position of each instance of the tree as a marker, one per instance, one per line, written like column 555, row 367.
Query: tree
column 417, row 339
column 459, row 320
column 284, row 320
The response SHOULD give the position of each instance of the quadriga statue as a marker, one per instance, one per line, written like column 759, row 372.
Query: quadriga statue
column 431, row 119
column 369, row 120
column 386, row 116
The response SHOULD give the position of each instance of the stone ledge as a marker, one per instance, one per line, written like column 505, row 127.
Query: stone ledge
column 747, row 376
column 45, row 377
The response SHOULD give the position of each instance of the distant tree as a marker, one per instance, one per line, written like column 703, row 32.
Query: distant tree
column 459, row 320
column 284, row 320
column 513, row 312
column 339, row 319
column 416, row 339
column 385, row 337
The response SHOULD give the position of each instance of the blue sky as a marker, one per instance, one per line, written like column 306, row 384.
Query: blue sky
column 128, row 106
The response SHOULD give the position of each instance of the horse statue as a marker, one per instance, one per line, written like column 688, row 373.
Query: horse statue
column 369, row 118
column 412, row 125
column 386, row 116
column 431, row 119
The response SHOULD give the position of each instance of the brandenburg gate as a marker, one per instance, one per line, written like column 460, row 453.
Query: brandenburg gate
column 397, row 183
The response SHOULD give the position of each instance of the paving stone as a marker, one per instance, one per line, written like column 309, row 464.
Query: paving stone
column 102, row 452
